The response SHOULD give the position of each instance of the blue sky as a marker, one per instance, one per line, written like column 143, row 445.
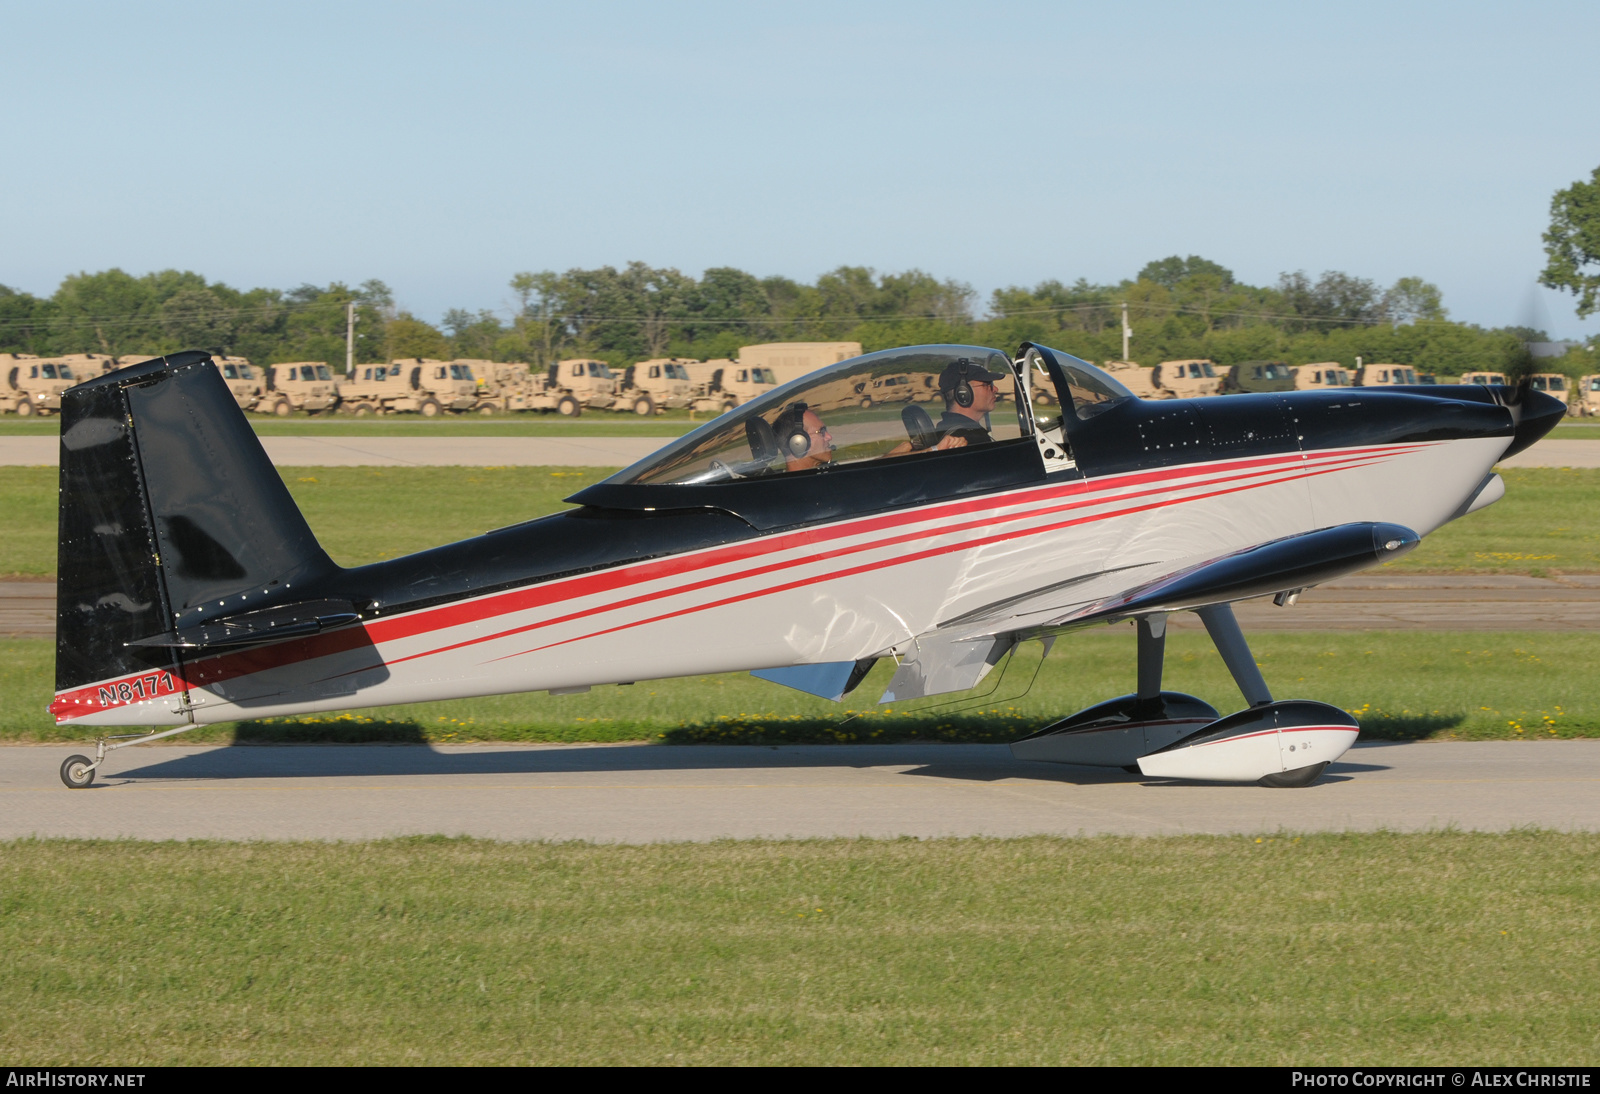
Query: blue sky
column 444, row 147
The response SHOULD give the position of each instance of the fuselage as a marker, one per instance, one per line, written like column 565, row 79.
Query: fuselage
column 645, row 582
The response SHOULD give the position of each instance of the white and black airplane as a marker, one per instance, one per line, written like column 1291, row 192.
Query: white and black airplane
column 906, row 504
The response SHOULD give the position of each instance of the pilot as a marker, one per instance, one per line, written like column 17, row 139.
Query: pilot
column 803, row 440
column 969, row 394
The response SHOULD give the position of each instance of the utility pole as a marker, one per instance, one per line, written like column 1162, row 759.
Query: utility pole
column 350, row 338
column 1127, row 331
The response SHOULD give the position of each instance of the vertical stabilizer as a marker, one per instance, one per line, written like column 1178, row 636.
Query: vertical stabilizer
column 171, row 515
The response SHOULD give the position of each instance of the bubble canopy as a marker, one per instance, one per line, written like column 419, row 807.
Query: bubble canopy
column 877, row 406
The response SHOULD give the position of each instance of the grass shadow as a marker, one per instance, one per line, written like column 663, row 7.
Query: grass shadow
column 344, row 730
column 1407, row 727
column 872, row 728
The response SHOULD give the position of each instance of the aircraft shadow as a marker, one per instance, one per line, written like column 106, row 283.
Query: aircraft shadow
column 983, row 763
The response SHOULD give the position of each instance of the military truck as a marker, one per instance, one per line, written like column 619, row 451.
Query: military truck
column 578, row 383
column 792, row 360
column 33, row 384
column 661, row 383
column 247, row 385
column 420, row 385
column 1258, row 376
column 1321, row 374
column 1385, row 375
column 306, row 386
column 1191, row 378
column 1585, row 397
column 1486, row 378
column 1553, row 384
column 723, row 384
column 1136, row 378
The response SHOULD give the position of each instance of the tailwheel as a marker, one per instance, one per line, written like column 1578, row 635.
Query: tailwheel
column 77, row 772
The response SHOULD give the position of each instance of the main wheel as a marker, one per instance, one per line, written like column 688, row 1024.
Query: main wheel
column 644, row 406
column 77, row 772
column 282, row 408
column 486, row 411
column 568, row 407
column 430, row 408
column 1300, row 776
column 361, row 410
column 25, row 408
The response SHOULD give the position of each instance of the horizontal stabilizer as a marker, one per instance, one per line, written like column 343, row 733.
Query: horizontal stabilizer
column 938, row 665
column 1281, row 565
column 830, row 680
column 252, row 628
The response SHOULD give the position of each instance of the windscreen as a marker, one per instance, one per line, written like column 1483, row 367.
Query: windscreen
column 896, row 403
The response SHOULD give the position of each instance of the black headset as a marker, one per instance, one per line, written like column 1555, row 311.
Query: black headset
column 962, row 393
column 791, row 430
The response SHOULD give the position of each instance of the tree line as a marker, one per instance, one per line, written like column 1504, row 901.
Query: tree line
column 1179, row 307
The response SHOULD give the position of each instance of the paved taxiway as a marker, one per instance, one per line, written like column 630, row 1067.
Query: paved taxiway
column 648, row 794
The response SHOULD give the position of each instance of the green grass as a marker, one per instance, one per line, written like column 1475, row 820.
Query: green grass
column 1360, row 949
column 1548, row 522
column 1401, row 685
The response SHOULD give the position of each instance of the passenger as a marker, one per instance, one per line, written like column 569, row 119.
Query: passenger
column 803, row 440
column 969, row 395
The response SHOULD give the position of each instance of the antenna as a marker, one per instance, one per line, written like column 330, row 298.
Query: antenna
column 350, row 338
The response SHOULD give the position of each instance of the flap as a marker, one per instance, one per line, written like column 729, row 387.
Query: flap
column 938, row 664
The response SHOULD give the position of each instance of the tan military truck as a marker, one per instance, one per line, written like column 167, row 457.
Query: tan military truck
column 1320, row 375
column 248, row 386
column 376, row 388
column 86, row 366
column 1553, row 384
column 1137, row 378
column 1191, row 378
column 792, row 360
column 1487, row 379
column 1585, row 401
column 579, row 383
column 661, row 383
column 722, row 384
column 419, row 385
column 1385, row 375
column 33, row 384
column 306, row 386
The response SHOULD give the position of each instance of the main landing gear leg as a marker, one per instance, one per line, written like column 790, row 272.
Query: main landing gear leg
column 1224, row 631
column 1152, row 655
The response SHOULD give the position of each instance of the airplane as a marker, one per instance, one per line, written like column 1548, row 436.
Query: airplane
column 802, row 536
